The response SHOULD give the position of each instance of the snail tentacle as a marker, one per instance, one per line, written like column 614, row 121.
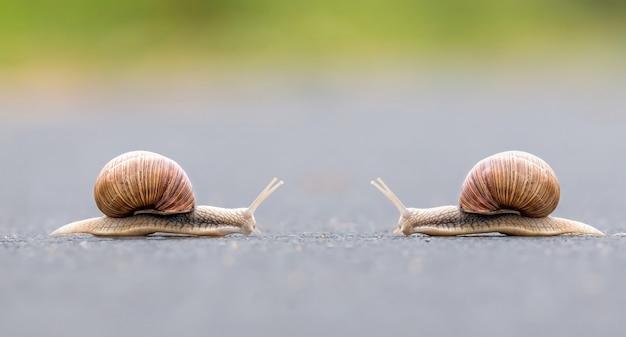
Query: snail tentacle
column 269, row 189
column 381, row 186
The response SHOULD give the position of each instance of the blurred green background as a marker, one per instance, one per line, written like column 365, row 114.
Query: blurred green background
column 117, row 35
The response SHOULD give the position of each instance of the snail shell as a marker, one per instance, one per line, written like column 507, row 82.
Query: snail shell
column 511, row 182
column 143, row 182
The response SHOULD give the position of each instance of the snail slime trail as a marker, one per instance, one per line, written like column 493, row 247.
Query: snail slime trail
column 142, row 193
column 511, row 192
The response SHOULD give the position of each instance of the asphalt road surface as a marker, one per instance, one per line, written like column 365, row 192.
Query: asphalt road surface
column 326, row 263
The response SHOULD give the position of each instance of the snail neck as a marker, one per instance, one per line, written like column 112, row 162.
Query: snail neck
column 419, row 220
column 234, row 217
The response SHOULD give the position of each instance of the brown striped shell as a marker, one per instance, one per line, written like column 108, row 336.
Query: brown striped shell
column 511, row 182
column 143, row 182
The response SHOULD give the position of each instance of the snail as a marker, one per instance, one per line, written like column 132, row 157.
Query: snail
column 511, row 193
column 142, row 193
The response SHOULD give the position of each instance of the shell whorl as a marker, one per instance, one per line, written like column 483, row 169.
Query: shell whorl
column 143, row 182
column 511, row 182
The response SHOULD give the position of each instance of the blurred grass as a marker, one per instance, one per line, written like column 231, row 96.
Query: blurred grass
column 119, row 34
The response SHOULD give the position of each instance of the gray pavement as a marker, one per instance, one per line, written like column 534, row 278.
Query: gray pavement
column 326, row 262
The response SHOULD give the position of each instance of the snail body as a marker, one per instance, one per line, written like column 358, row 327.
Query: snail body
column 142, row 193
column 511, row 193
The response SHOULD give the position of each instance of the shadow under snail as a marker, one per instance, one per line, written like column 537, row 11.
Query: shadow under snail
column 512, row 193
column 142, row 193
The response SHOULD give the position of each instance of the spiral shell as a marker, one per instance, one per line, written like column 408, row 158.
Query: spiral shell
column 511, row 182
column 143, row 182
